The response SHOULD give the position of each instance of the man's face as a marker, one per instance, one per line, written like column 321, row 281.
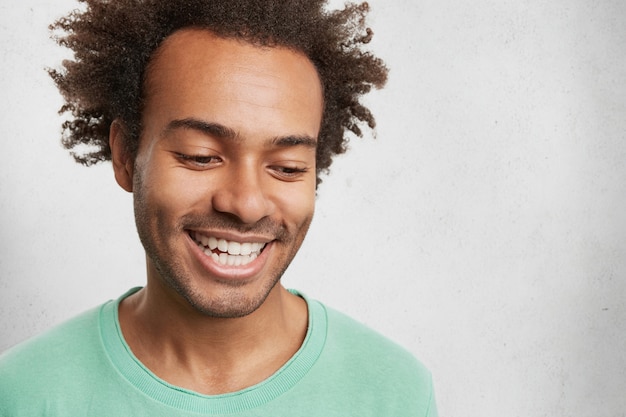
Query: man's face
column 224, row 179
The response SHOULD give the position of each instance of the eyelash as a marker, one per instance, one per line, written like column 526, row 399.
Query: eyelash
column 203, row 161
column 289, row 172
column 199, row 160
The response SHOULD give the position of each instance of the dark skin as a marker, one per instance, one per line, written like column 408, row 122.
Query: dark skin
column 199, row 324
column 213, row 356
column 114, row 44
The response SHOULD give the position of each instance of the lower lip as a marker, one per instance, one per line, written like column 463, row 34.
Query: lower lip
column 231, row 273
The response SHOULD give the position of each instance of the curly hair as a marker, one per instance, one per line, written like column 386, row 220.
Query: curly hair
column 114, row 40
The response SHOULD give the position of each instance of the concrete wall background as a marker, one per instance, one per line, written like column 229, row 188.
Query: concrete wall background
column 484, row 228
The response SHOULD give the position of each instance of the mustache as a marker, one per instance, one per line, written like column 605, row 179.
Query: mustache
column 222, row 221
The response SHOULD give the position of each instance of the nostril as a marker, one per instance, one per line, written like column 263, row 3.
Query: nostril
column 248, row 203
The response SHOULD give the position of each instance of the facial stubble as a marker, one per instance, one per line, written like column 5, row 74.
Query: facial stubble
column 159, row 233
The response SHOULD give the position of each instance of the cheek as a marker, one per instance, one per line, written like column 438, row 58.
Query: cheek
column 159, row 199
column 170, row 186
column 298, row 207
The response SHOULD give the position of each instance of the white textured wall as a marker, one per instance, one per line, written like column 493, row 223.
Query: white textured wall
column 484, row 228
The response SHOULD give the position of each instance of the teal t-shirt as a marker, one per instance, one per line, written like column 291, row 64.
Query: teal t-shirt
column 85, row 368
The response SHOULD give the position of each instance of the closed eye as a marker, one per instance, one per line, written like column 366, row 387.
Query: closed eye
column 199, row 161
column 288, row 173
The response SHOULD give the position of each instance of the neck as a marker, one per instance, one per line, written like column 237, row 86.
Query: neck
column 207, row 354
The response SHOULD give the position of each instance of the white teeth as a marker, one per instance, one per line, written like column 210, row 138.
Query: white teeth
column 233, row 260
column 234, row 248
column 246, row 248
column 224, row 258
column 232, row 253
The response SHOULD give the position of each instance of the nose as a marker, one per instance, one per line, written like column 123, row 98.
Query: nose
column 243, row 195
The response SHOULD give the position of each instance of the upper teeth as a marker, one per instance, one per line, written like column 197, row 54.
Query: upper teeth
column 227, row 246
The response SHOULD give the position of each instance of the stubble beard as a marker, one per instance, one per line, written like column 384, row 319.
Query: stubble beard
column 158, row 235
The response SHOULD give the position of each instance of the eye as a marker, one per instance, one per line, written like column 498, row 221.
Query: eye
column 199, row 161
column 288, row 173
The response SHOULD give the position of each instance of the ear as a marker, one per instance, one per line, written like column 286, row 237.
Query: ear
column 122, row 161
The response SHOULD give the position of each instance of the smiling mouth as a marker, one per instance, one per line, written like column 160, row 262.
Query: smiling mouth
column 228, row 252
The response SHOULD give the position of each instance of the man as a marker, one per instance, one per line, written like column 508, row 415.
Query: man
column 219, row 117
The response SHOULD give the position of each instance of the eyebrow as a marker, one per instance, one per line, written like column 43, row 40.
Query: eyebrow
column 294, row 140
column 224, row 132
column 210, row 129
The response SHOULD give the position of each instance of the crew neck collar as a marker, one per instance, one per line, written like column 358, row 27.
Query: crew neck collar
column 180, row 398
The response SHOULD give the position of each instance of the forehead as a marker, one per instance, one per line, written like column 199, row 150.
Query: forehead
column 195, row 73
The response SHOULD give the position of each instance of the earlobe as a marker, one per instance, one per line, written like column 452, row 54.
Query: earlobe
column 120, row 158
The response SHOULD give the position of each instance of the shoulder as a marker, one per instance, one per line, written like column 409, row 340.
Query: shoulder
column 362, row 343
column 37, row 366
column 54, row 341
column 379, row 370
